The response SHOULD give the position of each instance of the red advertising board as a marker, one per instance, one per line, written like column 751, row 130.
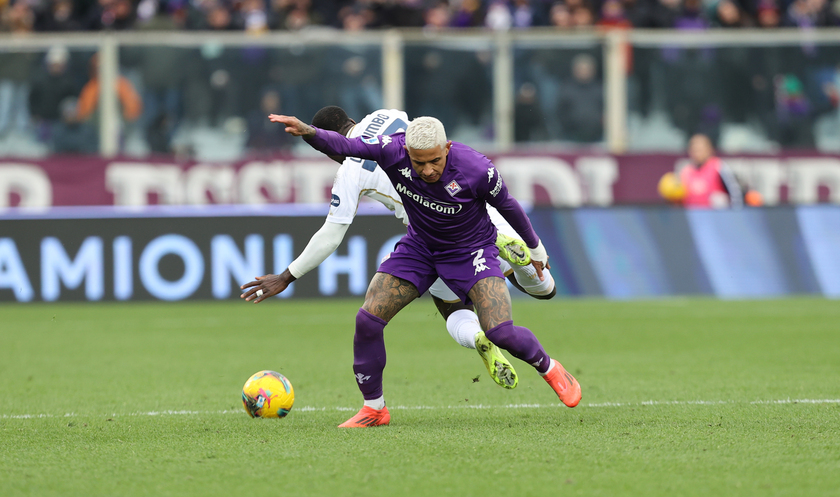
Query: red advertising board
column 560, row 180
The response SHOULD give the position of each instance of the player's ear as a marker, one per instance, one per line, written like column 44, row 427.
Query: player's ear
column 448, row 146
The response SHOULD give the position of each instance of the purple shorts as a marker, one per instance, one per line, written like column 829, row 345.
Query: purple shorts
column 459, row 268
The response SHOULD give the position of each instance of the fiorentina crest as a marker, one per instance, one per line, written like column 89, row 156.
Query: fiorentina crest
column 453, row 188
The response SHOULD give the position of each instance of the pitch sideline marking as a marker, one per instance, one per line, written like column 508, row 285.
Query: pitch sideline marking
column 420, row 408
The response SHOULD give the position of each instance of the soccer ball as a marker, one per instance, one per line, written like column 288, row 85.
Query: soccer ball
column 670, row 187
column 268, row 394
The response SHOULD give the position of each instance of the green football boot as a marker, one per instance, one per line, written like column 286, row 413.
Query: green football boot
column 513, row 250
column 500, row 369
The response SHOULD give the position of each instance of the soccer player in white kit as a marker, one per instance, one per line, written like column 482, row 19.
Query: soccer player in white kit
column 357, row 177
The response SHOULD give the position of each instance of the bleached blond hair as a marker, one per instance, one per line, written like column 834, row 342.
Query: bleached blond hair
column 424, row 133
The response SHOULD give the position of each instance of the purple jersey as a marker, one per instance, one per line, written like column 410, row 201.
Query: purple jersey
column 450, row 212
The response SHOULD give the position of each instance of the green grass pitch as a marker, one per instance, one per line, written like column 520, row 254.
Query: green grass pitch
column 680, row 397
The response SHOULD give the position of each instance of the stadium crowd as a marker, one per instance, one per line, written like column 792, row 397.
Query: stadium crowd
column 785, row 95
column 269, row 15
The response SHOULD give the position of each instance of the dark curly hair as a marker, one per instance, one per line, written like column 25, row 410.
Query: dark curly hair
column 331, row 118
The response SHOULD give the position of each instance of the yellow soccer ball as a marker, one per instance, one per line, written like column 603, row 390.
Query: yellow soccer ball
column 670, row 187
column 268, row 394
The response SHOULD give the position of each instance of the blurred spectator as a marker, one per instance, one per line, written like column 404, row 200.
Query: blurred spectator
column 523, row 14
column 262, row 15
column 468, row 14
column 162, row 71
column 85, row 114
column 582, row 17
column 499, row 16
column 437, row 17
column 768, row 14
column 560, row 16
column 127, row 96
column 703, row 183
column 57, row 16
column 580, row 14
column 263, row 136
column 53, row 90
column 15, row 68
column 433, row 82
column 728, row 14
column 691, row 16
column 688, row 96
column 218, row 17
column 793, row 113
column 252, row 16
column 613, row 16
column 294, row 15
column 659, row 14
column 355, row 18
column 400, row 13
column 111, row 14
column 358, row 87
column 581, row 102
column 529, row 124
column 808, row 14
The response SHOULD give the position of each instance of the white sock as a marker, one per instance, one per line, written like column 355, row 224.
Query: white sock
column 377, row 403
column 550, row 367
column 463, row 325
column 527, row 278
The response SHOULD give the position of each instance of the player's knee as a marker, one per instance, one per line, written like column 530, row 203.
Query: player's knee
column 500, row 333
column 369, row 327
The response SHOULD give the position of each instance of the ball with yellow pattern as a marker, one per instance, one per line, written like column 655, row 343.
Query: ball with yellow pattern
column 268, row 394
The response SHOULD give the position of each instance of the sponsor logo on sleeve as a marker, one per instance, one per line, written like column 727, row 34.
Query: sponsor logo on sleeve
column 498, row 186
column 386, row 140
column 373, row 140
column 453, row 188
column 490, row 173
column 335, row 201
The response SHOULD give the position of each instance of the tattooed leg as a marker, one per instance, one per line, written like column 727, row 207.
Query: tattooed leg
column 492, row 304
column 386, row 295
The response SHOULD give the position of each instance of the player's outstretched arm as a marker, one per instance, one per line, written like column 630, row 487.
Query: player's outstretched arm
column 332, row 143
column 320, row 246
column 294, row 126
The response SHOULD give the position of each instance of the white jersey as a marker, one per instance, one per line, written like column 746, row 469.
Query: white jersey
column 501, row 223
column 357, row 177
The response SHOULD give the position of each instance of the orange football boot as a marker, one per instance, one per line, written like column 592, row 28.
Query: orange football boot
column 564, row 384
column 368, row 416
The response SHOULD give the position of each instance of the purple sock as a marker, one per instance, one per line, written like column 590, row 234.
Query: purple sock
column 369, row 354
column 521, row 343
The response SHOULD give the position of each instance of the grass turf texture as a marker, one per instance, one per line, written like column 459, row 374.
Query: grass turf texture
column 112, row 364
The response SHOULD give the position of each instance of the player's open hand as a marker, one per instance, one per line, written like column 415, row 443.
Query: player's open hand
column 539, row 259
column 294, row 126
column 539, row 266
column 266, row 286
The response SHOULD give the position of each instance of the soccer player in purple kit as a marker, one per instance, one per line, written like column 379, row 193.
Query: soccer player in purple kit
column 445, row 187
